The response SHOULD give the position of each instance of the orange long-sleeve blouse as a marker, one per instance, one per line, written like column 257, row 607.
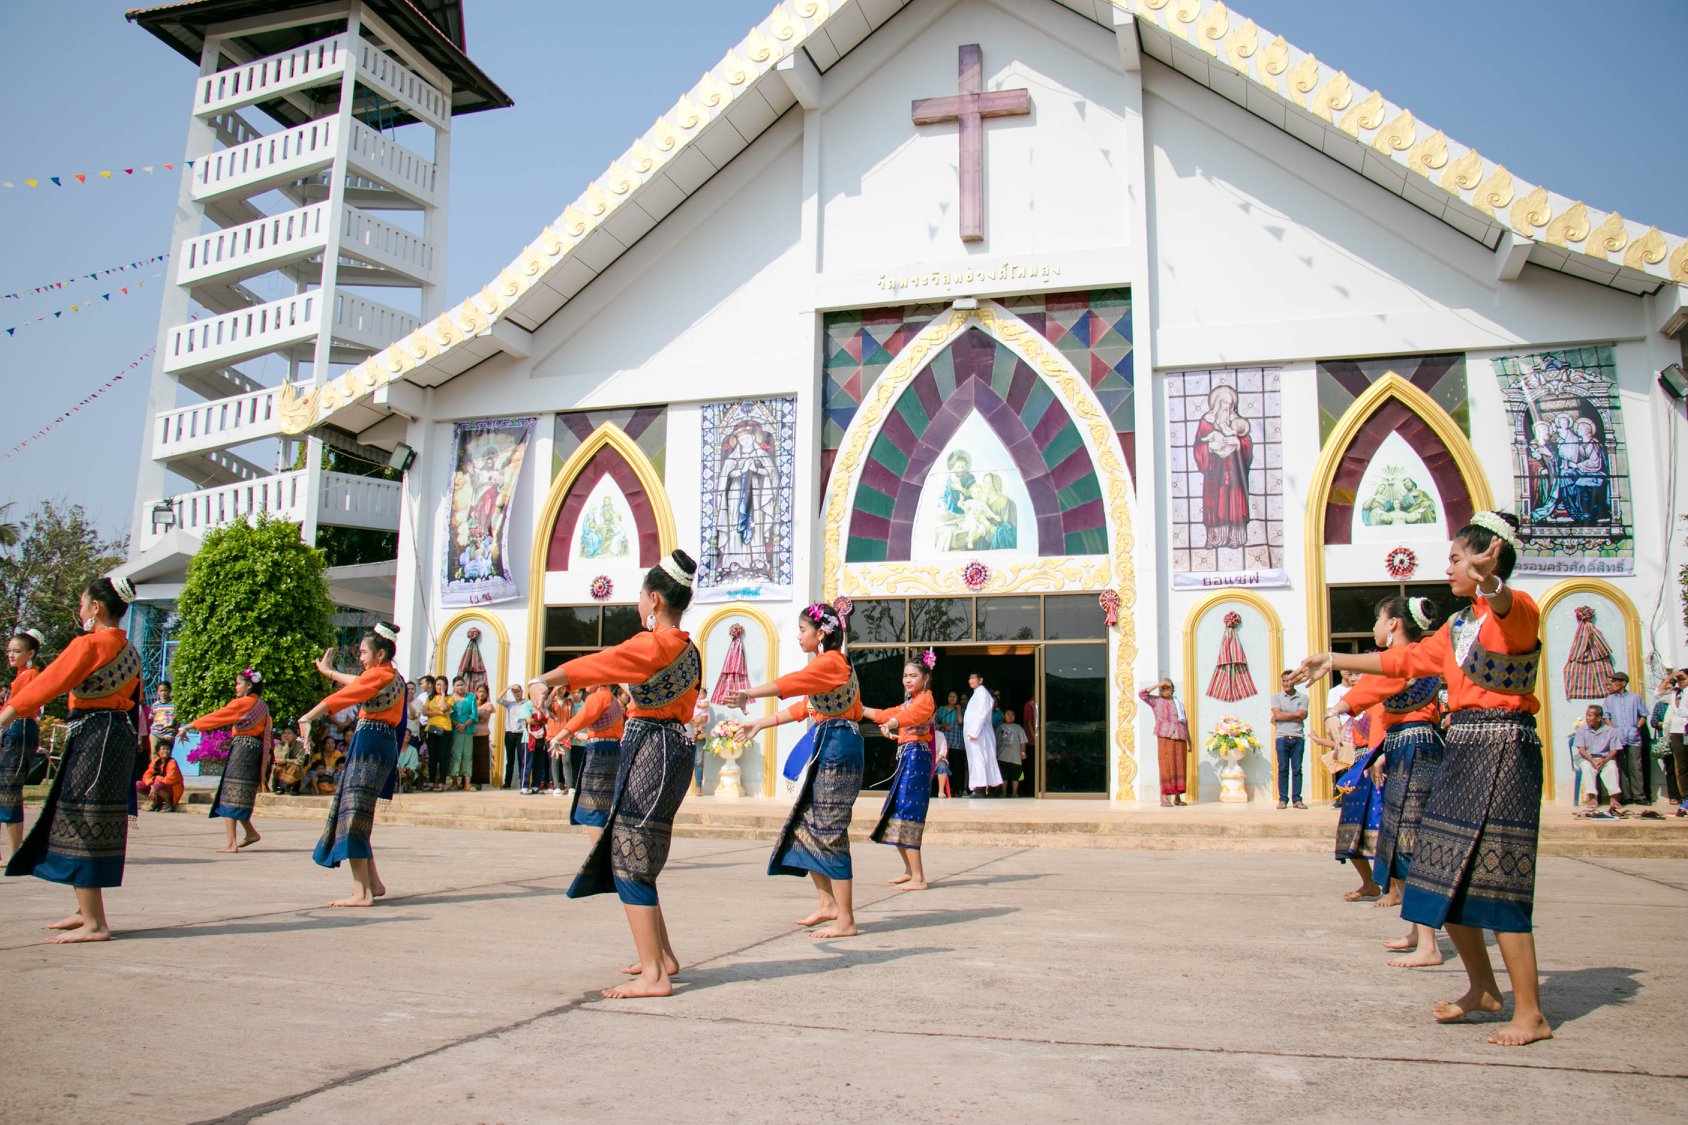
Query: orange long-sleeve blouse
column 598, row 704
column 237, row 715
column 104, row 654
column 827, row 672
column 914, row 717
column 1376, row 690
column 372, row 688
column 657, row 668
column 1510, row 643
column 19, row 682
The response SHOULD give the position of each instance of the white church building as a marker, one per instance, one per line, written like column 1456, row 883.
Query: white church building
column 1083, row 342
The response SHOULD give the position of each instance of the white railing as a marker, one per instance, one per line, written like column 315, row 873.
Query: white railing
column 368, row 324
column 303, row 67
column 380, row 243
column 352, row 501
column 244, row 333
column 282, row 496
column 390, row 163
column 255, row 247
column 386, row 75
column 265, row 162
column 216, row 425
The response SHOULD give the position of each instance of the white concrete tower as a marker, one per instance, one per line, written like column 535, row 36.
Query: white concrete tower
column 309, row 233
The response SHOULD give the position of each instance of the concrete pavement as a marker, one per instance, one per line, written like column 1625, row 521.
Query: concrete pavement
column 1052, row 984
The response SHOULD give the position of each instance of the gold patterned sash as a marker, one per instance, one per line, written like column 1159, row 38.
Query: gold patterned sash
column 839, row 702
column 110, row 678
column 684, row 673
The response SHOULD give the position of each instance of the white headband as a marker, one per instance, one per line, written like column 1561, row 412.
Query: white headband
column 381, row 630
column 40, row 639
column 125, row 589
column 672, row 569
column 1491, row 522
column 1415, row 606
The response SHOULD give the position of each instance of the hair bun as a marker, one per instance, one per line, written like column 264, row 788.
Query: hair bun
column 684, row 561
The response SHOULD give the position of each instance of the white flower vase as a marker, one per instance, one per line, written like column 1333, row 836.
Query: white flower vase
column 730, row 786
column 1231, row 778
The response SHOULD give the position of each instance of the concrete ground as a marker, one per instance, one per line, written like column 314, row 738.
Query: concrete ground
column 1028, row 984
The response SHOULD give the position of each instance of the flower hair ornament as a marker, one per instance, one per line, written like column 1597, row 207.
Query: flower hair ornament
column 36, row 634
column 125, row 589
column 824, row 617
column 251, row 676
column 1495, row 525
column 381, row 630
column 1415, row 606
column 672, row 569
column 929, row 659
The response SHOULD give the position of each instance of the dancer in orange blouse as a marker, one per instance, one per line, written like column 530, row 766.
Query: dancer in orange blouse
column 247, row 718
column 601, row 716
column 22, row 738
column 82, row 834
column 902, row 822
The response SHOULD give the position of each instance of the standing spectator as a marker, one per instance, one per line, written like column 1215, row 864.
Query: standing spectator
column 1627, row 714
column 418, row 721
column 948, row 719
column 1172, row 736
column 1028, row 720
column 464, row 712
column 437, row 710
column 163, row 725
column 979, row 730
column 1010, row 753
column 699, row 731
column 1289, row 729
column 1599, row 745
column 533, row 737
column 162, row 781
column 1675, row 728
column 1661, row 743
column 512, row 702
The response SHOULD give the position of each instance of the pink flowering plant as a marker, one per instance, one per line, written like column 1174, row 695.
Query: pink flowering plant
column 722, row 736
column 1231, row 736
column 213, row 747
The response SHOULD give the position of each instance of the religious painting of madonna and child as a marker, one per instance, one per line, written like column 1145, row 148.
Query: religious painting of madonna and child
column 974, row 499
column 1226, row 478
column 605, row 531
column 487, row 460
column 749, row 466
column 1569, row 461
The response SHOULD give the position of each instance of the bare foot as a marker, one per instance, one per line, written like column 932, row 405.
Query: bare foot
column 900, row 879
column 817, row 918
column 71, row 923
column 380, row 890
column 84, row 933
column 1423, row 959
column 252, row 838
column 1452, row 1011
column 1370, row 890
column 1388, row 900
column 355, row 900
column 1400, row 944
column 636, row 969
column 639, row 989
column 913, row 887
column 836, row 931
column 1517, row 1033
column 230, row 850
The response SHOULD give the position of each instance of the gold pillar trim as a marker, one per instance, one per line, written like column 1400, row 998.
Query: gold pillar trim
column 495, row 731
column 1074, row 393
column 1557, row 593
column 1192, row 693
column 606, row 436
column 1392, row 387
column 770, row 739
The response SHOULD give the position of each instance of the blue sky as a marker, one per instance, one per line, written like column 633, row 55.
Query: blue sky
column 1575, row 96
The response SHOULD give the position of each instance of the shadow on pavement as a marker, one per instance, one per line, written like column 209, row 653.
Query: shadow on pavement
column 339, row 920
column 886, row 923
column 453, row 897
column 843, row 957
column 1570, row 994
column 982, row 880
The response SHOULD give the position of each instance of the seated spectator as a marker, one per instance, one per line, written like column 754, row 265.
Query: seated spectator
column 323, row 767
column 287, row 772
column 410, row 765
column 162, row 783
column 1599, row 744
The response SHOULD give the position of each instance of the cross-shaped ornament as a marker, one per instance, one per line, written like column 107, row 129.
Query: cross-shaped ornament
column 968, row 108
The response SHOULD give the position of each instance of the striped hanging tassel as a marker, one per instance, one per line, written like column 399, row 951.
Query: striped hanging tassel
column 735, row 676
column 1231, row 680
column 1589, row 666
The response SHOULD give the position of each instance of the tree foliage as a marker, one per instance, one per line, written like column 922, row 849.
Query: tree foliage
column 255, row 597
column 58, row 553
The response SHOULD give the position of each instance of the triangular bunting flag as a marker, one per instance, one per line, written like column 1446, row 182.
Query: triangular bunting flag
column 147, row 168
column 80, row 178
column 33, row 183
column 55, row 180
column 128, row 171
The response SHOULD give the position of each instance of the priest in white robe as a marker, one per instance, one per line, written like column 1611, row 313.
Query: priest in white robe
column 980, row 735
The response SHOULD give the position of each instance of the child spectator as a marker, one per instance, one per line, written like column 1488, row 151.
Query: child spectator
column 1011, row 753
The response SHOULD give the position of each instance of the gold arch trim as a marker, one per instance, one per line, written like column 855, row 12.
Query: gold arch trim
column 606, row 436
column 1082, row 406
column 1192, row 673
column 1392, row 387
column 770, row 633
column 1557, row 593
column 495, row 735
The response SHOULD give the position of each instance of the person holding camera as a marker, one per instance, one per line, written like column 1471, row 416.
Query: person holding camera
column 1675, row 724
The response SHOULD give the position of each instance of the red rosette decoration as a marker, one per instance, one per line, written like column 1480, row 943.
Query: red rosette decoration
column 1233, row 619
column 735, row 632
column 975, row 575
column 1585, row 613
column 1109, row 602
column 602, row 588
column 1401, row 563
column 843, row 605
column 474, row 633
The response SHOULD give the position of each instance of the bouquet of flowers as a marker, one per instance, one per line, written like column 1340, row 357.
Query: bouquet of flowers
column 721, row 737
column 1231, row 735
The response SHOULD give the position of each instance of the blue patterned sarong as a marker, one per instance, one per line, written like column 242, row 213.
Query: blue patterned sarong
column 594, row 789
column 652, row 778
column 1415, row 753
column 17, row 746
column 366, row 776
column 902, row 821
column 82, row 833
column 242, row 774
column 816, row 834
column 1474, row 862
column 1362, row 812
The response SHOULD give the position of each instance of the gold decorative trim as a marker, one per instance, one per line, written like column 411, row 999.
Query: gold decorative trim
column 1192, row 673
column 1075, row 393
column 611, row 436
column 1557, row 593
column 1046, row 575
column 770, row 739
column 1390, row 387
column 495, row 737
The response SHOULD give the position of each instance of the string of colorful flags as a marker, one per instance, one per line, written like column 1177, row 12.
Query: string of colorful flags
column 120, row 291
column 89, row 398
column 75, row 178
column 95, row 276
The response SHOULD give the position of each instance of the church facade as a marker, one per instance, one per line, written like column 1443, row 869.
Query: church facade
column 1085, row 343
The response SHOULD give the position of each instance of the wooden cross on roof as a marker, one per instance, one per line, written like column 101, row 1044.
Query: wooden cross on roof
column 968, row 108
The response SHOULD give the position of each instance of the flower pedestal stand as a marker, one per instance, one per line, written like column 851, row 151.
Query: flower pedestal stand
column 729, row 787
column 1231, row 787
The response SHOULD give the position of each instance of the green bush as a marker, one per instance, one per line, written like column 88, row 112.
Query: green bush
column 255, row 597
